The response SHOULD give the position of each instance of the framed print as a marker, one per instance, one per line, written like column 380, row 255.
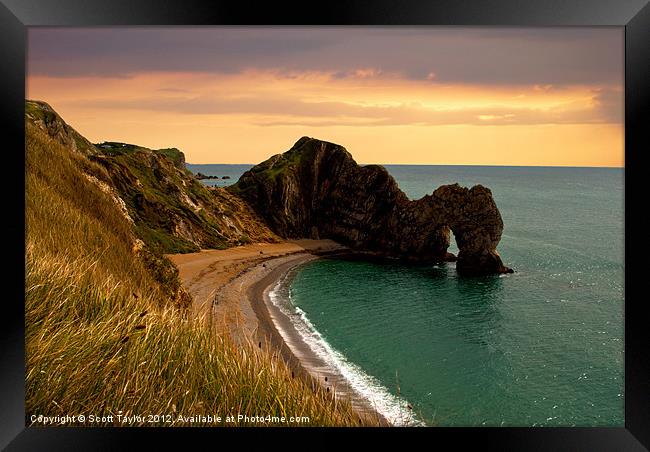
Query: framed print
column 388, row 219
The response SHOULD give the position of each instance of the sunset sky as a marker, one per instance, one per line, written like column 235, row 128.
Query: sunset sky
column 416, row 95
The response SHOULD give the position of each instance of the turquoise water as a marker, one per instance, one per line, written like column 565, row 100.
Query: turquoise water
column 541, row 347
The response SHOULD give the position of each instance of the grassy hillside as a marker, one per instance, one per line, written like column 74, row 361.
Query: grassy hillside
column 170, row 209
column 105, row 325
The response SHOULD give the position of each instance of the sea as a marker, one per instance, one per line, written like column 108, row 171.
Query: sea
column 543, row 346
column 231, row 172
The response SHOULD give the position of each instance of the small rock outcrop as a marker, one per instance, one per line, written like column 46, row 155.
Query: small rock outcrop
column 201, row 176
column 317, row 190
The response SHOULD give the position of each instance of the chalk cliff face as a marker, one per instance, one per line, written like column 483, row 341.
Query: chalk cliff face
column 317, row 190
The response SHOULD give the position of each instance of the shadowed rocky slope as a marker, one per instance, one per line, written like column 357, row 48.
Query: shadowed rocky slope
column 317, row 190
column 168, row 208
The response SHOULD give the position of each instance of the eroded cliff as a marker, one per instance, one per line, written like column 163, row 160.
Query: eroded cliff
column 168, row 208
column 317, row 190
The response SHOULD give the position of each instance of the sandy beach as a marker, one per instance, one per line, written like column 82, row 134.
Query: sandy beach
column 218, row 280
column 231, row 289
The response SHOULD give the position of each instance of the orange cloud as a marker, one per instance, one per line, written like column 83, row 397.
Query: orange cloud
column 257, row 113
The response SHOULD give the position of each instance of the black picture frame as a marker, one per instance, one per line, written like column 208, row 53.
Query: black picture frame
column 17, row 15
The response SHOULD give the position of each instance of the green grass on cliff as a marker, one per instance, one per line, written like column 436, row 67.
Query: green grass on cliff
column 38, row 113
column 154, row 198
column 173, row 154
column 271, row 168
column 173, row 212
column 104, row 328
column 164, row 243
column 41, row 111
column 117, row 148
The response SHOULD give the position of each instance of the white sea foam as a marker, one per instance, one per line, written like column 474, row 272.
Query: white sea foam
column 392, row 407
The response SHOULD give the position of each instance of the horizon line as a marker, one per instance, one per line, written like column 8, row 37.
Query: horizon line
column 443, row 164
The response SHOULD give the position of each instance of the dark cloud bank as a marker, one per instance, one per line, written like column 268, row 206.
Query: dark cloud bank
column 501, row 56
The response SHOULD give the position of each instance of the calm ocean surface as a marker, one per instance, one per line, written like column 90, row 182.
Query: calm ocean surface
column 541, row 347
column 219, row 170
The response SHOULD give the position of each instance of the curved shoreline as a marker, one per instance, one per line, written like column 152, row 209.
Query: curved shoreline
column 275, row 329
column 230, row 289
column 267, row 332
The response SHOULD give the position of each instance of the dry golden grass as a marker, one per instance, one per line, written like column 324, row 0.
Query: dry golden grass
column 103, row 336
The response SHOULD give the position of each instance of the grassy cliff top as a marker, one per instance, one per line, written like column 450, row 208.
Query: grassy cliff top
column 118, row 148
column 43, row 115
column 300, row 155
